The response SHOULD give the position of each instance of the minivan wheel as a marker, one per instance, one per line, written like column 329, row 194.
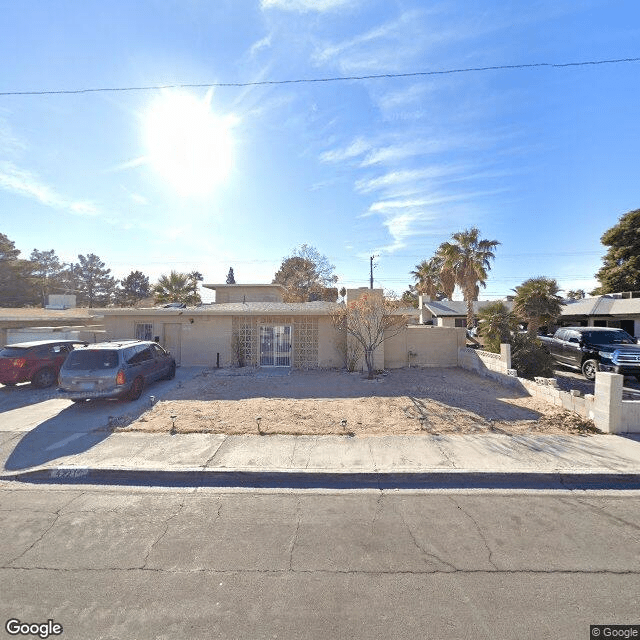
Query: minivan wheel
column 172, row 372
column 589, row 369
column 136, row 389
column 44, row 378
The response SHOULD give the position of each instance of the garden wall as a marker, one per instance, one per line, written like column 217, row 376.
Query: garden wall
column 605, row 407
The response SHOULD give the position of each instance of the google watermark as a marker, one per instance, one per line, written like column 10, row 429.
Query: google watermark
column 614, row 631
column 15, row 627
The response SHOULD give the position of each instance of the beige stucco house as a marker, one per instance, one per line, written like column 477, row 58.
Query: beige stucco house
column 619, row 310
column 250, row 324
column 451, row 313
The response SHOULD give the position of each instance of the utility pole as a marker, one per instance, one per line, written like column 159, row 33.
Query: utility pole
column 371, row 271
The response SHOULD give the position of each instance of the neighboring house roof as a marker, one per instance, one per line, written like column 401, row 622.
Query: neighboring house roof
column 242, row 286
column 458, row 308
column 24, row 317
column 602, row 306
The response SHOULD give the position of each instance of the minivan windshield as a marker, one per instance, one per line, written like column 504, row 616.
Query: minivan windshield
column 91, row 359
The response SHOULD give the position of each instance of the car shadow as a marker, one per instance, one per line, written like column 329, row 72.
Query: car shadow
column 23, row 394
column 70, row 432
column 79, row 427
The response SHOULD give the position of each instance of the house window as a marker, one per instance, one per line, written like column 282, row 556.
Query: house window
column 144, row 331
column 461, row 322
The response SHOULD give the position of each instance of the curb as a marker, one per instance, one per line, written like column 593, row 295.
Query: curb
column 458, row 479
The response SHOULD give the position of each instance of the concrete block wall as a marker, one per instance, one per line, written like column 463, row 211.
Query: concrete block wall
column 486, row 362
column 607, row 409
column 543, row 388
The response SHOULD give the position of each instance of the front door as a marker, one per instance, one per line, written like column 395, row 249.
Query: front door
column 275, row 346
column 173, row 340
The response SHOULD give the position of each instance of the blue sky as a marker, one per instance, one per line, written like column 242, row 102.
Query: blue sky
column 542, row 159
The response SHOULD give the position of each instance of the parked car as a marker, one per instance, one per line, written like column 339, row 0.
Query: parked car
column 37, row 362
column 114, row 369
column 593, row 349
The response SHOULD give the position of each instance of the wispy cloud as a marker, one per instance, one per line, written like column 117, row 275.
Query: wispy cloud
column 27, row 184
column 403, row 177
column 356, row 148
column 306, row 6
column 129, row 164
column 9, row 142
column 388, row 46
column 263, row 43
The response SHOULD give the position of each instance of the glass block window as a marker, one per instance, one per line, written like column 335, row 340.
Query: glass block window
column 143, row 331
column 305, row 342
column 246, row 329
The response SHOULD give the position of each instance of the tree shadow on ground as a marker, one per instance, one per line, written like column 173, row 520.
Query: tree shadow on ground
column 449, row 387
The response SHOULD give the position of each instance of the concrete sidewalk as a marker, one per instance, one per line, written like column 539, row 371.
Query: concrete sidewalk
column 486, row 461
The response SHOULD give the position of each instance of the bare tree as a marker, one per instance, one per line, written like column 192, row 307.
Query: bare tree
column 369, row 321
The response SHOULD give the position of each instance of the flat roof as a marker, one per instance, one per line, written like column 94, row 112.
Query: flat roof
column 240, row 286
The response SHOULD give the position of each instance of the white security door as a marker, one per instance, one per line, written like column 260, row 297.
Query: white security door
column 275, row 346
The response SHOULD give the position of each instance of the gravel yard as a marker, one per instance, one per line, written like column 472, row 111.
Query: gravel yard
column 404, row 401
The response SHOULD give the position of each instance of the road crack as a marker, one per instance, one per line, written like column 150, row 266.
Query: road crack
column 480, row 533
column 57, row 514
column 423, row 551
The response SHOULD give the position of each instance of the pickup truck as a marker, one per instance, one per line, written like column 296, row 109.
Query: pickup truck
column 592, row 349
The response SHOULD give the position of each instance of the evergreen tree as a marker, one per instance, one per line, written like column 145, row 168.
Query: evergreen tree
column 93, row 283
column 16, row 284
column 47, row 273
column 134, row 287
column 621, row 269
column 230, row 277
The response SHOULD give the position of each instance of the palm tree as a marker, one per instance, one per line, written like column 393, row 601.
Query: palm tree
column 427, row 274
column 537, row 302
column 176, row 287
column 468, row 259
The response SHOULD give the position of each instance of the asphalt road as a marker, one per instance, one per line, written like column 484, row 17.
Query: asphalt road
column 201, row 563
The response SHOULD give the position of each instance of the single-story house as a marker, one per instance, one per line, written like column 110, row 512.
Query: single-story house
column 450, row 313
column 25, row 324
column 619, row 310
column 252, row 325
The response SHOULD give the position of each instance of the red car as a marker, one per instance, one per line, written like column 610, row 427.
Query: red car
column 37, row 362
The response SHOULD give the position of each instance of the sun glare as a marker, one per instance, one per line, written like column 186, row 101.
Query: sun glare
column 187, row 144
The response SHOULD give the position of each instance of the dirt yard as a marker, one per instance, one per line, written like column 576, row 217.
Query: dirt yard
column 405, row 401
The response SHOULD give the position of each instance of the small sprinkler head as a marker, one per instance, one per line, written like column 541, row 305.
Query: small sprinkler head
column 173, row 425
column 258, row 418
column 343, row 423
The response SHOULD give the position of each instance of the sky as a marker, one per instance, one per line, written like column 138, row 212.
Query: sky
column 543, row 159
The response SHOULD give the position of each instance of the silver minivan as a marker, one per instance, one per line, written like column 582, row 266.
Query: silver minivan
column 114, row 369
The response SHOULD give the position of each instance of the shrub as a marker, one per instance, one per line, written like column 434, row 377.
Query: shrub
column 530, row 357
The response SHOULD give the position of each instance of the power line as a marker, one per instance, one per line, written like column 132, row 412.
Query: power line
column 379, row 76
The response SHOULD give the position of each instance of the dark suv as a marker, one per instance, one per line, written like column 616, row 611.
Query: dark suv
column 37, row 362
column 114, row 369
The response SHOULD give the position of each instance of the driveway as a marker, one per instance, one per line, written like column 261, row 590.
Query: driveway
column 571, row 379
column 36, row 426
